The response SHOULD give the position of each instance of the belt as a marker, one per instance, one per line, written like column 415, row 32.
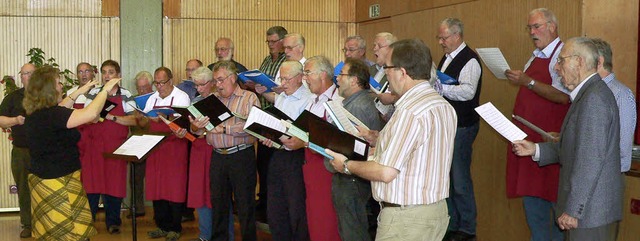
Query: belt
column 393, row 205
column 233, row 149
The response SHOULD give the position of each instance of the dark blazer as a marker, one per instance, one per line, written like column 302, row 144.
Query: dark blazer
column 591, row 186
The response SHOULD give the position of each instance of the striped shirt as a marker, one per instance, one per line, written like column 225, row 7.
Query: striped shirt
column 627, row 110
column 316, row 105
column 127, row 98
column 239, row 102
column 270, row 67
column 418, row 142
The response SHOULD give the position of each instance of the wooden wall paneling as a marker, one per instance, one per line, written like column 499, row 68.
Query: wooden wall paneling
column 368, row 31
column 392, row 8
column 195, row 38
column 171, row 8
column 285, row 10
column 347, row 11
column 620, row 30
column 88, row 8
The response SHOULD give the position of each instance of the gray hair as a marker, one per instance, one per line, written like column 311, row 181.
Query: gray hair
column 586, row 49
column 295, row 67
column 321, row 64
column 202, row 73
column 454, row 26
column 299, row 38
column 362, row 44
column 548, row 15
column 144, row 74
column 388, row 37
column 604, row 51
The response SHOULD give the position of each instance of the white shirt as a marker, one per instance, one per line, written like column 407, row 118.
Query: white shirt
column 468, row 78
column 176, row 98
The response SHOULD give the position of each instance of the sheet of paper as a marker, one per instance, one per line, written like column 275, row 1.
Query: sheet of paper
column 343, row 119
column 499, row 122
column 533, row 127
column 494, row 60
column 258, row 116
column 138, row 145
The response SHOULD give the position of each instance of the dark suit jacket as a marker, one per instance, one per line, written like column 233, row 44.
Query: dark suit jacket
column 591, row 186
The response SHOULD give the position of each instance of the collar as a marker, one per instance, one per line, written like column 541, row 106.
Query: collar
column 328, row 94
column 299, row 93
column 609, row 78
column 575, row 91
column 302, row 60
column 453, row 54
column 547, row 51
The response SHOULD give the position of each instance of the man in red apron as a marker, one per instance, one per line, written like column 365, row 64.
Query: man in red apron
column 166, row 171
column 101, row 176
column 543, row 101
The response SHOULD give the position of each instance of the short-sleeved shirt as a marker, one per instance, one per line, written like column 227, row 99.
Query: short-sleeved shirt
column 11, row 107
column 177, row 97
column 53, row 146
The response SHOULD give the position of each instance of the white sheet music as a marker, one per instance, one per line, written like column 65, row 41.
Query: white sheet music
column 494, row 60
column 138, row 145
column 500, row 123
column 343, row 119
column 256, row 115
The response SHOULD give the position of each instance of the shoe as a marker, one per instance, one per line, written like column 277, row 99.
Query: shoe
column 25, row 233
column 172, row 236
column 157, row 233
column 188, row 218
column 114, row 229
column 461, row 236
column 137, row 215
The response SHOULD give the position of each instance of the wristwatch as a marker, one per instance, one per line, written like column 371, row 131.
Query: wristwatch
column 531, row 84
column 346, row 170
column 114, row 118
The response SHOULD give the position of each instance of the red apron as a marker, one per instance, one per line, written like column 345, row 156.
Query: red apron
column 524, row 176
column 321, row 214
column 104, row 175
column 199, row 163
column 166, row 168
column 85, row 135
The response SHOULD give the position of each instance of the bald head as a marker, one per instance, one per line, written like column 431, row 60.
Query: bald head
column 25, row 73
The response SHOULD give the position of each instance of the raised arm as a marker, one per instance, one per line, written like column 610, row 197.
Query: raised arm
column 91, row 111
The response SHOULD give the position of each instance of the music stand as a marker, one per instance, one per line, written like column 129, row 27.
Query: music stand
column 131, row 159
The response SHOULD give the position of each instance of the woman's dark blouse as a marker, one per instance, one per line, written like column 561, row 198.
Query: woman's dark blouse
column 53, row 147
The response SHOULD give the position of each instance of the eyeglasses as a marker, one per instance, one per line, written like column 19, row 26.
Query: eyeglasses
column 341, row 74
column 390, row 67
column 189, row 70
column 536, row 26
column 26, row 73
column 222, row 49
column 290, row 47
column 160, row 83
column 443, row 38
column 283, row 79
column 201, row 85
column 309, row 72
column 561, row 59
column 380, row 46
column 344, row 50
column 272, row 41
column 219, row 81
column 86, row 71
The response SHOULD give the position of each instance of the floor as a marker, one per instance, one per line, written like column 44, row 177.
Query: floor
column 10, row 228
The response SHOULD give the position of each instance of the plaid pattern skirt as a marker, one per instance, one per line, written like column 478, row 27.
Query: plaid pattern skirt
column 60, row 208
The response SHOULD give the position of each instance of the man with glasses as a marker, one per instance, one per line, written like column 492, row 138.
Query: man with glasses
column 166, row 172
column 385, row 101
column 224, row 51
column 233, row 160
column 286, row 191
column 356, row 47
column 591, row 187
column 187, row 84
column 543, row 101
column 420, row 134
column 350, row 193
column 12, row 116
column 85, row 73
column 462, row 64
column 270, row 66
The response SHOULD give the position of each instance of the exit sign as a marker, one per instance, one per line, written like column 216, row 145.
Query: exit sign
column 374, row 11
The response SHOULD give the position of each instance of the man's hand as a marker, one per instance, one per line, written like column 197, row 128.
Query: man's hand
column 199, row 122
column 19, row 120
column 370, row 136
column 338, row 160
column 293, row 143
column 267, row 142
column 250, row 85
column 567, row 222
column 517, row 77
column 260, row 89
column 387, row 98
column 523, row 148
column 277, row 89
column 180, row 133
